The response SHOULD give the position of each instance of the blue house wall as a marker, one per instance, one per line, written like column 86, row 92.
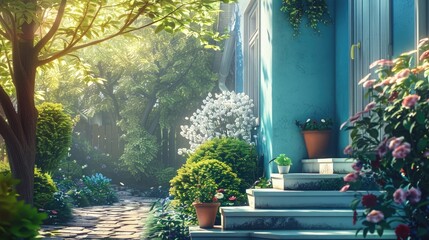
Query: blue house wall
column 307, row 76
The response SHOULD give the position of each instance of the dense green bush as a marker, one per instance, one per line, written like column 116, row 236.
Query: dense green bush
column 192, row 174
column 44, row 189
column 47, row 198
column 53, row 136
column 18, row 220
column 238, row 154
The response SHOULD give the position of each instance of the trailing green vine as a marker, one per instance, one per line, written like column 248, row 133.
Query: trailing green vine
column 316, row 12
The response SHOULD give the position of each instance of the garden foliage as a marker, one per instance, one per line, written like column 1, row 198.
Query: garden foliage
column 238, row 154
column 167, row 222
column 18, row 220
column 390, row 139
column 53, row 136
column 185, row 185
column 227, row 114
column 98, row 190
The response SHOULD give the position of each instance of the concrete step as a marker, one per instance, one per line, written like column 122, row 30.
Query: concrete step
column 246, row 218
column 269, row 198
column 327, row 165
column 294, row 181
column 217, row 233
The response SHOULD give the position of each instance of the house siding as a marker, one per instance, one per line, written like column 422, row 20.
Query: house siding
column 303, row 81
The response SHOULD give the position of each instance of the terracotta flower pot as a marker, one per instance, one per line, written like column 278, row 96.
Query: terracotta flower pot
column 206, row 213
column 317, row 143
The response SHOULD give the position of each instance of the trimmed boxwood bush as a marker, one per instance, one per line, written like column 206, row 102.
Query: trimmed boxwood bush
column 192, row 174
column 53, row 136
column 237, row 154
column 44, row 188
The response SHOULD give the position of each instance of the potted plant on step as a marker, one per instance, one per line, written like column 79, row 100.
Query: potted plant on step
column 283, row 163
column 317, row 135
column 207, row 203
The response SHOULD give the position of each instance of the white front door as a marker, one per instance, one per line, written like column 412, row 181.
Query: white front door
column 370, row 40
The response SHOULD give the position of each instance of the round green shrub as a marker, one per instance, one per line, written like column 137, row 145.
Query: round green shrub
column 237, row 154
column 53, row 136
column 44, row 189
column 192, row 174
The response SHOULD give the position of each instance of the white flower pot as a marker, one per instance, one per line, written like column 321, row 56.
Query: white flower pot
column 283, row 169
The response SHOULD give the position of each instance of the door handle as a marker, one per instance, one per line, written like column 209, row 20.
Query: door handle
column 352, row 50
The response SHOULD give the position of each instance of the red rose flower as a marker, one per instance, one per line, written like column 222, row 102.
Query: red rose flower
column 375, row 164
column 369, row 200
column 355, row 217
column 402, row 231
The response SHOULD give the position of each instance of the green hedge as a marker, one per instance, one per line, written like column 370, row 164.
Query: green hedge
column 237, row 154
column 53, row 136
column 192, row 174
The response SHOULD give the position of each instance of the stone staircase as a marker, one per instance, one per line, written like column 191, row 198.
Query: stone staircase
column 289, row 214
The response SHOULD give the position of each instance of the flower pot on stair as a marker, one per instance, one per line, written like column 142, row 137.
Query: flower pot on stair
column 317, row 143
column 206, row 213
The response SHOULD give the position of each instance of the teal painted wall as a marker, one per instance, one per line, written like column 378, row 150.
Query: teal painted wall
column 342, row 70
column 403, row 20
column 303, row 82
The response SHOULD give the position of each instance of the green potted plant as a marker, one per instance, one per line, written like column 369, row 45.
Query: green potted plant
column 283, row 163
column 317, row 135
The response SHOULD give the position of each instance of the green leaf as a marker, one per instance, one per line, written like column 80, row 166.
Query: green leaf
column 420, row 117
column 422, row 144
column 380, row 231
column 373, row 133
column 365, row 232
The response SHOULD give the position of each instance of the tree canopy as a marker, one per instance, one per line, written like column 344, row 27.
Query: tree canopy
column 36, row 32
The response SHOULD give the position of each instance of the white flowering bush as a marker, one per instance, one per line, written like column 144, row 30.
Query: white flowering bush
column 227, row 114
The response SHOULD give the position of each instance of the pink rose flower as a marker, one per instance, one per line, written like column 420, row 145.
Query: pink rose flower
column 370, row 106
column 402, row 150
column 232, row 198
column 357, row 166
column 369, row 83
column 424, row 55
column 364, row 79
column 399, row 196
column 414, row 195
column 395, row 142
column 348, row 150
column 351, row 177
column 381, row 62
column 355, row 117
column 345, row 188
column 404, row 73
column 410, row 100
column 375, row 216
column 426, row 153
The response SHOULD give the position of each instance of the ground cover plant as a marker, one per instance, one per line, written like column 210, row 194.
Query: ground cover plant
column 390, row 140
column 18, row 220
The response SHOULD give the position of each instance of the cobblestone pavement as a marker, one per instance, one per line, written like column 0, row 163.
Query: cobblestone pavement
column 122, row 220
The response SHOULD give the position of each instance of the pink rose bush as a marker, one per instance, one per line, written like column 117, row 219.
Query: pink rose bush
column 390, row 140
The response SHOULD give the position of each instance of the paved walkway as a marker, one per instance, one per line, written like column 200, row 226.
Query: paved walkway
column 122, row 220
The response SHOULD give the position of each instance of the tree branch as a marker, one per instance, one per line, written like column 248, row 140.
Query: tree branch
column 11, row 114
column 54, row 27
column 7, row 133
column 120, row 32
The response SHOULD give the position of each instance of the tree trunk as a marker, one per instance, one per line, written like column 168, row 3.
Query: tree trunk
column 21, row 143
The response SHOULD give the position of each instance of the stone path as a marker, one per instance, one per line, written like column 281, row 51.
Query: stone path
column 122, row 220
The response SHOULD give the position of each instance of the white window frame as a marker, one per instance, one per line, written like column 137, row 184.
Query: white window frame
column 252, row 59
